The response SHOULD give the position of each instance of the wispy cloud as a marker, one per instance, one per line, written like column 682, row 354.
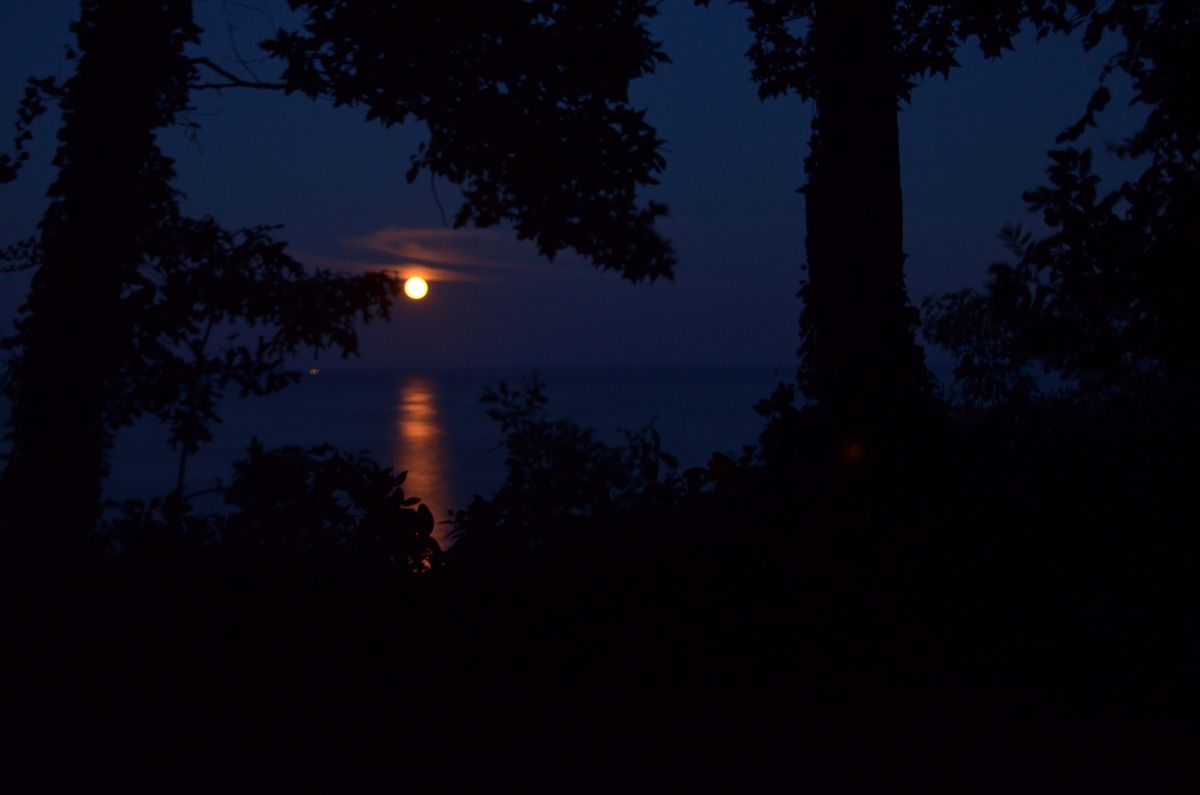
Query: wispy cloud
column 437, row 254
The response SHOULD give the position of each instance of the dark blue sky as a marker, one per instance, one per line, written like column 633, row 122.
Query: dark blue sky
column 970, row 146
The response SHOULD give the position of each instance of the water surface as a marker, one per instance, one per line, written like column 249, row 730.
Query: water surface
column 432, row 424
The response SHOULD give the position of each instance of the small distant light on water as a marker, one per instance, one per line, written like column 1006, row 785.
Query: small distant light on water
column 314, row 371
column 416, row 288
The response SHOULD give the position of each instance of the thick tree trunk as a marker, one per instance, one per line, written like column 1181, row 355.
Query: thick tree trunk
column 111, row 188
column 861, row 362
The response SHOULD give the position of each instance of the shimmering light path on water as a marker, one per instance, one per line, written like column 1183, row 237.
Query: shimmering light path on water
column 421, row 449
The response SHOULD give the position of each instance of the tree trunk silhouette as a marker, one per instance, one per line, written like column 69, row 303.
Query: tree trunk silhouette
column 861, row 362
column 112, row 185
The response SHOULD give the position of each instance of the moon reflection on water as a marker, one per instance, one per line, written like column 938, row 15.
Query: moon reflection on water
column 421, row 448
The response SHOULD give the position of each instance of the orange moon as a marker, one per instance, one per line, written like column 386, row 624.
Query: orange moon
column 416, row 288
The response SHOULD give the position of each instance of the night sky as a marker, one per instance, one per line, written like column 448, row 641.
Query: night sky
column 336, row 184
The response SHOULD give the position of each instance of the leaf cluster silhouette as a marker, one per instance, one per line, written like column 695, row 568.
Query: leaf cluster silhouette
column 508, row 90
column 1102, row 300
column 128, row 291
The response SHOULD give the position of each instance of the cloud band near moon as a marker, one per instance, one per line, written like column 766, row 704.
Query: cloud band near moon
column 436, row 254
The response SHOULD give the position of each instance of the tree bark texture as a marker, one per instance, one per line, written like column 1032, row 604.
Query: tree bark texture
column 862, row 365
column 112, row 186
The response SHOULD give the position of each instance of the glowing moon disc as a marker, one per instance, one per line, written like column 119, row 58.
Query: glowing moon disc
column 416, row 288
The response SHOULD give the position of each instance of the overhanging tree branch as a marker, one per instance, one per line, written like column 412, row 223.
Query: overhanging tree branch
column 232, row 80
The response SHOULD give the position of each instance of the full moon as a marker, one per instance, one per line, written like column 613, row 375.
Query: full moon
column 416, row 288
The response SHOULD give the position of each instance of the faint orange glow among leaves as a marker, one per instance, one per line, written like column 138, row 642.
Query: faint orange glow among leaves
column 853, row 453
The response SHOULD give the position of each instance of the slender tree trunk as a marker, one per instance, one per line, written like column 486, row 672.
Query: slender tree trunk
column 112, row 186
column 861, row 362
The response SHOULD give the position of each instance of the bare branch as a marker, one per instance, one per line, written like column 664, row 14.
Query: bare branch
column 437, row 201
column 232, row 80
column 237, row 53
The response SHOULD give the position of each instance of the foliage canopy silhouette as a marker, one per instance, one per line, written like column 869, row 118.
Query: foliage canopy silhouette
column 527, row 106
column 1103, row 299
column 128, row 292
column 857, row 60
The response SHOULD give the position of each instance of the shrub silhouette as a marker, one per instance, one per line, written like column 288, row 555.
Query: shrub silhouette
column 290, row 503
column 558, row 473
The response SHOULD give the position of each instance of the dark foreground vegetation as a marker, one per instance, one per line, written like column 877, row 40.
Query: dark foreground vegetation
column 992, row 590
column 1009, row 605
